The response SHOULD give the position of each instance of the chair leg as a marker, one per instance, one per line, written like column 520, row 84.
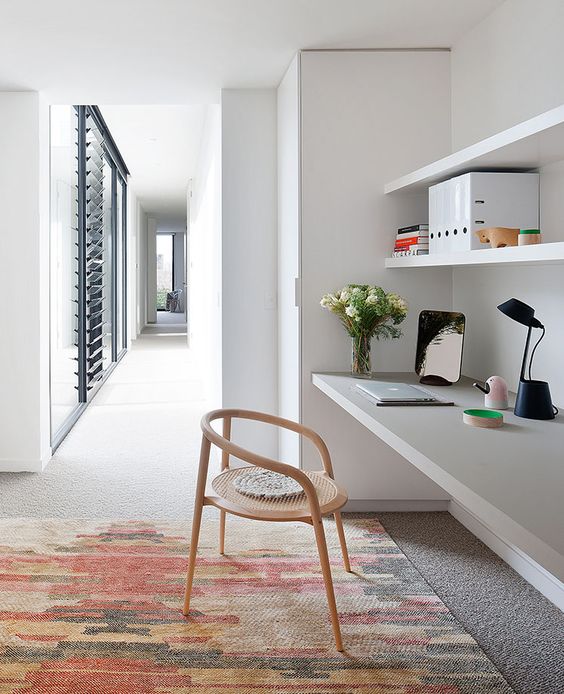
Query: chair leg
column 224, row 466
column 342, row 540
column 197, row 520
column 222, row 515
column 326, row 570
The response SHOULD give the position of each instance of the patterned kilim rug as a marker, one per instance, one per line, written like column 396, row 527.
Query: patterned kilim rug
column 96, row 607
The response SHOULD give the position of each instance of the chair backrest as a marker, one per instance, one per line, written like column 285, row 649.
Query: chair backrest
column 229, row 448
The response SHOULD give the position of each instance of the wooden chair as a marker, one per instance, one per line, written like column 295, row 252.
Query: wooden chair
column 321, row 495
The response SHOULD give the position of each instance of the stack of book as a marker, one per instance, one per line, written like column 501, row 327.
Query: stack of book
column 413, row 240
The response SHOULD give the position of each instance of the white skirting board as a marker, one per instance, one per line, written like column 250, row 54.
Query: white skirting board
column 395, row 505
column 22, row 465
column 547, row 584
column 32, row 465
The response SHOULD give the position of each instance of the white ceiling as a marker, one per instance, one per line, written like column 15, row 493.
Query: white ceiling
column 160, row 147
column 184, row 51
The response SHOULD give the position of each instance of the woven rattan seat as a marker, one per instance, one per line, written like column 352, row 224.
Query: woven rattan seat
column 294, row 508
column 321, row 495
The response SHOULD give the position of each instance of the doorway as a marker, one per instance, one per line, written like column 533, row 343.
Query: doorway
column 170, row 294
column 165, row 271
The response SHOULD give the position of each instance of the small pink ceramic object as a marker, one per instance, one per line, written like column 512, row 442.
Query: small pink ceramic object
column 495, row 391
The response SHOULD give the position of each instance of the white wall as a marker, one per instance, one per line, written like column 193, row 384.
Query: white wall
column 493, row 343
column 42, row 228
column 507, row 69
column 151, row 270
column 366, row 118
column 132, row 265
column 204, row 210
column 24, row 271
column 142, row 234
column 288, row 259
column 179, row 240
column 249, row 249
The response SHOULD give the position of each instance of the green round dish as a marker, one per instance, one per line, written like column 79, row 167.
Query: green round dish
column 483, row 419
column 486, row 414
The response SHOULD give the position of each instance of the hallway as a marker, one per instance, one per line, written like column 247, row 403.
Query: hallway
column 134, row 452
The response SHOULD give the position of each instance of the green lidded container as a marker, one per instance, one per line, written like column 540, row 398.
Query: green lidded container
column 528, row 237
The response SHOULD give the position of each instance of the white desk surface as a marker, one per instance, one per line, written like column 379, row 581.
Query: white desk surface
column 511, row 478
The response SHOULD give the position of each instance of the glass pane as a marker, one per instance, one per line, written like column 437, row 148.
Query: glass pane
column 98, row 255
column 164, row 269
column 108, row 265
column 124, row 260
column 118, row 324
column 64, row 264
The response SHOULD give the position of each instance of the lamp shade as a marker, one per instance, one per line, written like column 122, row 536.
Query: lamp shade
column 520, row 312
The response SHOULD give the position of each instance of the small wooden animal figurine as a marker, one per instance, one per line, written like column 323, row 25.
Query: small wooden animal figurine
column 498, row 237
column 495, row 390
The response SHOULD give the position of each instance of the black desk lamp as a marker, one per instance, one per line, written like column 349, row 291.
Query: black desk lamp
column 533, row 397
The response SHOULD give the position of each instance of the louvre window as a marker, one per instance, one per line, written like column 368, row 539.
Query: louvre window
column 88, row 243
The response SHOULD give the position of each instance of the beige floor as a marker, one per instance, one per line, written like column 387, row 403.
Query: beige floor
column 133, row 453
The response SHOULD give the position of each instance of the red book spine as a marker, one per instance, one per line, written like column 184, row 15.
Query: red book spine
column 405, row 243
column 408, row 241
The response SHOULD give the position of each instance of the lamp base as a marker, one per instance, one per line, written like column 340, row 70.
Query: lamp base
column 431, row 380
column 534, row 401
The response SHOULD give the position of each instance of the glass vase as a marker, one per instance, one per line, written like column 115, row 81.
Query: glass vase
column 361, row 356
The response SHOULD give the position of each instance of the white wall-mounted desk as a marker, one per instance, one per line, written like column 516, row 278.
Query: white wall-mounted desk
column 511, row 479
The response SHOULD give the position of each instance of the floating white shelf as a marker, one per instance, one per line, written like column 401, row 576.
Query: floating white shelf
column 524, row 147
column 543, row 253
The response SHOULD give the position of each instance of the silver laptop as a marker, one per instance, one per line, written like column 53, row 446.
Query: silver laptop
column 395, row 392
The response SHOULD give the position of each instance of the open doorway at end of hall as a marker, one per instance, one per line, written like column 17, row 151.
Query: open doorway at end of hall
column 171, row 297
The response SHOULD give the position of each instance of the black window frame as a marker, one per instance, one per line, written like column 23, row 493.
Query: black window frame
column 119, row 182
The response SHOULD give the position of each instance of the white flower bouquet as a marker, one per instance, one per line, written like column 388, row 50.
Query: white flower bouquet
column 366, row 312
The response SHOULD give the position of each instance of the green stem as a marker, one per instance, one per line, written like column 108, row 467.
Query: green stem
column 361, row 354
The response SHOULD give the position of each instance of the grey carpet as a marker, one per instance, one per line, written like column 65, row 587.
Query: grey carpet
column 134, row 454
column 520, row 631
column 171, row 318
column 164, row 329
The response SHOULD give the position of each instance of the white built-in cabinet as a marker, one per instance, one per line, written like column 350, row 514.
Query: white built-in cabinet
column 348, row 124
column 346, row 121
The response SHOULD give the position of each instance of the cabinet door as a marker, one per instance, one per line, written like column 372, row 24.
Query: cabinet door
column 289, row 259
